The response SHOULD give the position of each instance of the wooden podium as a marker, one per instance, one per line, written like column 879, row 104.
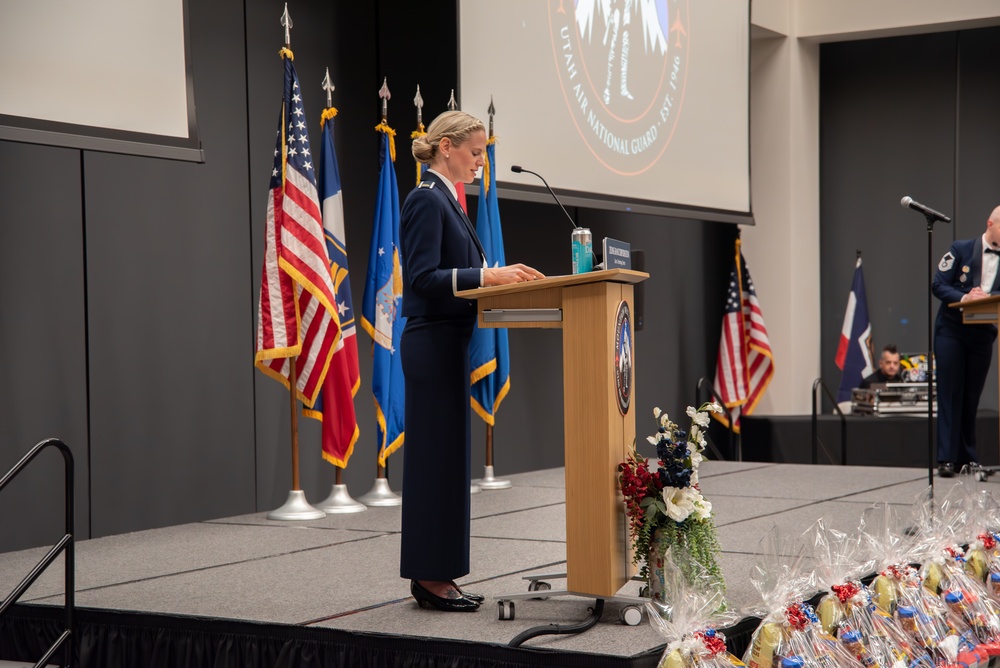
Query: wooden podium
column 597, row 434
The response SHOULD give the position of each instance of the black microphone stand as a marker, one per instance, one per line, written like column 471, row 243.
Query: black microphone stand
column 930, row 351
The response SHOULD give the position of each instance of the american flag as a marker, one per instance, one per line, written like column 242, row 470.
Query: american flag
column 296, row 315
column 745, row 365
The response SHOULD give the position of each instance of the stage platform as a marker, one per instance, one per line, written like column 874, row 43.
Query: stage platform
column 246, row 591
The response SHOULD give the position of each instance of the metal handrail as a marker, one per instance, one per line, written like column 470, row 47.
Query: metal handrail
column 66, row 543
column 735, row 446
column 815, row 423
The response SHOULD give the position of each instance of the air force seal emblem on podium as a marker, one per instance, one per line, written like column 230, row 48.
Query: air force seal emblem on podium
column 623, row 357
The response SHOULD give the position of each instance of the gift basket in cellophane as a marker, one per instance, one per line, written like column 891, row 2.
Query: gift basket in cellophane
column 693, row 609
column 789, row 635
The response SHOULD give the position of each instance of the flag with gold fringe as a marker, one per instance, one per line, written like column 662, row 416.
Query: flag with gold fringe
column 489, row 351
column 381, row 314
column 296, row 313
column 745, row 363
column 335, row 405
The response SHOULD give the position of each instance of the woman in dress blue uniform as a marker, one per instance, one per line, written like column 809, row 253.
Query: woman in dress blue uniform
column 441, row 255
column 963, row 353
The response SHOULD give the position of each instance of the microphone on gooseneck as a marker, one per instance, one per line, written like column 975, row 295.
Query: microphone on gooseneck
column 517, row 169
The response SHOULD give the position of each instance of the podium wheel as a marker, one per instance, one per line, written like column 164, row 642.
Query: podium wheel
column 539, row 585
column 505, row 610
column 631, row 615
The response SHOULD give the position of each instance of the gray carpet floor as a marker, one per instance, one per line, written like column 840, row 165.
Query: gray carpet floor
column 342, row 571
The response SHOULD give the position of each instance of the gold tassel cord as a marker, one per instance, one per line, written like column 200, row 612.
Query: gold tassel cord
column 328, row 113
column 382, row 127
column 486, row 169
column 419, row 132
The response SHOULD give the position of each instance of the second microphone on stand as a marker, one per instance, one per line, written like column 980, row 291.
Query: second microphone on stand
column 581, row 241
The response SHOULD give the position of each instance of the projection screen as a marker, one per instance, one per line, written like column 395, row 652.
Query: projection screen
column 105, row 75
column 633, row 105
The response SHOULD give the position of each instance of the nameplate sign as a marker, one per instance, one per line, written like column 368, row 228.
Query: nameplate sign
column 617, row 254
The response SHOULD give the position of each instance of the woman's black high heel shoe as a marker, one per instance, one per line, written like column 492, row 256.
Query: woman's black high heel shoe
column 476, row 598
column 425, row 598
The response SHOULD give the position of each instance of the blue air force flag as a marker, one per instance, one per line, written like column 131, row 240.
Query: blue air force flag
column 381, row 314
column 489, row 352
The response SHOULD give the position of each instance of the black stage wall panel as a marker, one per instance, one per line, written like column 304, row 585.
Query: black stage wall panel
column 170, row 310
column 43, row 388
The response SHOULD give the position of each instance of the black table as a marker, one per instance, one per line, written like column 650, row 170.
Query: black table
column 891, row 440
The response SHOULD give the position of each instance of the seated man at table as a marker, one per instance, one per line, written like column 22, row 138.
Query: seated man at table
column 888, row 368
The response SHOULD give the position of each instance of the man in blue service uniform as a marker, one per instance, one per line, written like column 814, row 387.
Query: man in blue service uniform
column 963, row 353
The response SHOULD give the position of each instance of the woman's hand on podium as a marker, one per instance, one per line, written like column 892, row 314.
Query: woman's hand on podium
column 512, row 273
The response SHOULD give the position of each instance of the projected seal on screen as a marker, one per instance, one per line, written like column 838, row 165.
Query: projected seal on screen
column 622, row 66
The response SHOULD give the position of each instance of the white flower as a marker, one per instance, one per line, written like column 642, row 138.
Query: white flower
column 680, row 503
column 696, row 438
column 703, row 507
column 656, row 412
column 715, row 407
column 696, row 458
column 697, row 417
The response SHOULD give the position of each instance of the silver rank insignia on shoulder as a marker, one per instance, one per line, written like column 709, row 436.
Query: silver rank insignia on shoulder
column 426, row 184
column 946, row 262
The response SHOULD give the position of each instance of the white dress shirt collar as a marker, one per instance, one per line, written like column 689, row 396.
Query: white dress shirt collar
column 990, row 264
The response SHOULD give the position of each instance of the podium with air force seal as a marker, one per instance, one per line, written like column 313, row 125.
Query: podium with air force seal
column 594, row 310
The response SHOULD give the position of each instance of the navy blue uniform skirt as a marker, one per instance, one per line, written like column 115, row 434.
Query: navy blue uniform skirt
column 437, row 471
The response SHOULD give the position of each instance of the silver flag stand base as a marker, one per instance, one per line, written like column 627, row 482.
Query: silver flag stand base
column 489, row 482
column 296, row 508
column 340, row 501
column 381, row 495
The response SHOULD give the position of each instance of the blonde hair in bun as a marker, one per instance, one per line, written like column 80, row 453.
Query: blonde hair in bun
column 456, row 125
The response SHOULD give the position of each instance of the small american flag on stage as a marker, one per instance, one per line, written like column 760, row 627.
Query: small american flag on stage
column 296, row 315
column 745, row 364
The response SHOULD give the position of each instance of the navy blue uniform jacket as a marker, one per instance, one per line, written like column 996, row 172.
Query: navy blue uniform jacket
column 436, row 237
column 958, row 272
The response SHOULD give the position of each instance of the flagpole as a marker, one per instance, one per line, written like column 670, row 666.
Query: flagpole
column 489, row 481
column 296, row 507
column 381, row 495
column 339, row 502
column 474, row 488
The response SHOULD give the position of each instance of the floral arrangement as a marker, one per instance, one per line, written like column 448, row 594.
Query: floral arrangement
column 665, row 506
